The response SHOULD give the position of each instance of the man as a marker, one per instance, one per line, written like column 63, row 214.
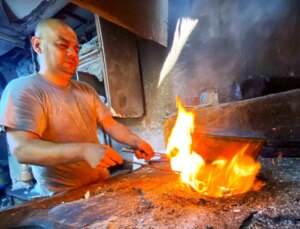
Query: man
column 51, row 120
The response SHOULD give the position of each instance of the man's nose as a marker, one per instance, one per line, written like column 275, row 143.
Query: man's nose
column 72, row 52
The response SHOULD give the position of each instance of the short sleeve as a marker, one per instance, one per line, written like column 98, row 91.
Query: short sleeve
column 21, row 108
column 101, row 109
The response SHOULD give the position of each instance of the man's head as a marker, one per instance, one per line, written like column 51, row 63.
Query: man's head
column 57, row 47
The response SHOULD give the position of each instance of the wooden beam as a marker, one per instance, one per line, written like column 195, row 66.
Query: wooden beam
column 147, row 19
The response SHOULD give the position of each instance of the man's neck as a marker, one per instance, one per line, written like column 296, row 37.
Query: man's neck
column 54, row 78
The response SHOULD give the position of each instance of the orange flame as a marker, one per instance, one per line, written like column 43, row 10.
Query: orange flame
column 222, row 177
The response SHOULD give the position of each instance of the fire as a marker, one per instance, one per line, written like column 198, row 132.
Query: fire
column 220, row 178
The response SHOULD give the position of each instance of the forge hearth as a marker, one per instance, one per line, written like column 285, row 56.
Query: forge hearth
column 150, row 198
column 274, row 117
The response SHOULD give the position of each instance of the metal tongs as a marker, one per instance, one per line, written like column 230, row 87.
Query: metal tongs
column 161, row 155
column 128, row 149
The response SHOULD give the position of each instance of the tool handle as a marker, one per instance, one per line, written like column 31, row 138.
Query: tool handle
column 151, row 166
column 131, row 150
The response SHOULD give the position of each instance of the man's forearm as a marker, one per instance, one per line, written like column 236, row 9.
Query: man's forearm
column 30, row 149
column 123, row 135
column 39, row 152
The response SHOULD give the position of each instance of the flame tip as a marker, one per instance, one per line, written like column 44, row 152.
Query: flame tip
column 220, row 178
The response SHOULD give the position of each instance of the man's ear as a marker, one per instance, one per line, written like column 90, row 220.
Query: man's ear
column 36, row 44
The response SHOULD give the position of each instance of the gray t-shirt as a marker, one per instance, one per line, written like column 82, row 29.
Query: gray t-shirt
column 57, row 114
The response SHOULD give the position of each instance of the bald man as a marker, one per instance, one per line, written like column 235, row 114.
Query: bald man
column 51, row 121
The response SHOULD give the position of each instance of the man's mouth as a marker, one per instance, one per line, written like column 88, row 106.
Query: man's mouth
column 69, row 62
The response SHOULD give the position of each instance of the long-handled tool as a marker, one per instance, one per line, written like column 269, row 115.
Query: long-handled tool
column 131, row 150
column 162, row 155
column 151, row 166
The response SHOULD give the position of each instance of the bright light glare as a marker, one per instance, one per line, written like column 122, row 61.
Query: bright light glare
column 184, row 28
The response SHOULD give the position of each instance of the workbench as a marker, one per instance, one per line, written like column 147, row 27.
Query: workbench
column 149, row 198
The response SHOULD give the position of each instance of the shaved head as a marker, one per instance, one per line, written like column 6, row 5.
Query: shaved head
column 57, row 47
column 44, row 26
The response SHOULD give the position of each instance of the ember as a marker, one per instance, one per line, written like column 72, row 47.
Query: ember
column 220, row 178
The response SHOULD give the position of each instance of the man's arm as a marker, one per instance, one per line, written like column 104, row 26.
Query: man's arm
column 30, row 149
column 123, row 135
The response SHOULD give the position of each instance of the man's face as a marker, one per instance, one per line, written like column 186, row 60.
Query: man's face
column 60, row 51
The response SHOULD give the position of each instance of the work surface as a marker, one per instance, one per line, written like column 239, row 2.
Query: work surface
column 149, row 198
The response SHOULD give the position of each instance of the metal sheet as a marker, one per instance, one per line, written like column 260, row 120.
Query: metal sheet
column 123, row 81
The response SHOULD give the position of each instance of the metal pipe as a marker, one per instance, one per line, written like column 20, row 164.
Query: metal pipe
column 151, row 166
column 130, row 150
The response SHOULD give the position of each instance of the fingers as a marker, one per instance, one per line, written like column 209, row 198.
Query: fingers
column 138, row 154
column 141, row 154
column 102, row 165
column 110, row 158
column 107, row 160
column 97, row 155
column 144, row 151
column 113, row 155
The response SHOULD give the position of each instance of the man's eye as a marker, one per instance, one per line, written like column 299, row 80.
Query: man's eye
column 63, row 46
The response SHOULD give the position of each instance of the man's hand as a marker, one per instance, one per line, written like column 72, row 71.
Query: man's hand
column 101, row 156
column 110, row 158
column 144, row 150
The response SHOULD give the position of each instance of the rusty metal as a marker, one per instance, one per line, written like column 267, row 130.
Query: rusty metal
column 212, row 146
